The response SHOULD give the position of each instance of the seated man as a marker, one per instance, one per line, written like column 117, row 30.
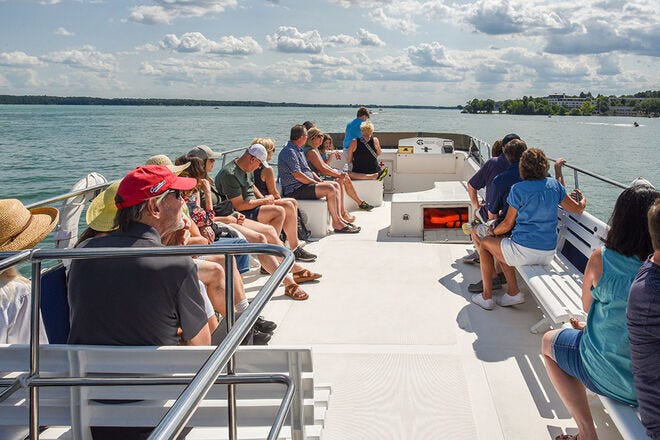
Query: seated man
column 236, row 182
column 298, row 180
column 496, row 204
column 142, row 300
column 481, row 179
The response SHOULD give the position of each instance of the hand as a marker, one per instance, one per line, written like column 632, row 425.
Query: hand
column 578, row 325
column 206, row 185
column 577, row 195
column 240, row 218
column 559, row 163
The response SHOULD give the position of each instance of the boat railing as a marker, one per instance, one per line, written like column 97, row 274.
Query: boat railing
column 476, row 150
column 185, row 405
column 578, row 170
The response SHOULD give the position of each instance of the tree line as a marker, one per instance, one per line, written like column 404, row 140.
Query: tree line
column 599, row 105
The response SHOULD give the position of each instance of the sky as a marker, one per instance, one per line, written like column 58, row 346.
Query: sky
column 386, row 52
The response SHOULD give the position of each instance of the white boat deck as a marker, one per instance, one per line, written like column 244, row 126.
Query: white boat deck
column 405, row 352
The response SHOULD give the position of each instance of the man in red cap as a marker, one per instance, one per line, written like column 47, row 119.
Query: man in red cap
column 142, row 300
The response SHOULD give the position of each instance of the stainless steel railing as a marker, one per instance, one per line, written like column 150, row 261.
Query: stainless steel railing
column 578, row 170
column 184, row 407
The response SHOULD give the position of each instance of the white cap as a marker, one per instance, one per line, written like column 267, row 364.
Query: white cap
column 259, row 151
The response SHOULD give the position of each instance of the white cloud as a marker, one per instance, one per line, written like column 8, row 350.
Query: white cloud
column 609, row 65
column 197, row 42
column 366, row 38
column 62, row 32
column 147, row 47
column 18, row 59
column 166, row 11
column 326, row 60
column 87, row 58
column 343, row 39
column 288, row 39
column 429, row 55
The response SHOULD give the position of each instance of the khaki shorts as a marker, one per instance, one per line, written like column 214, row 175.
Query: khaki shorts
column 517, row 255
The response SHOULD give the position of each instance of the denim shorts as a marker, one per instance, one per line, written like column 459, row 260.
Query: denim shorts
column 566, row 351
column 252, row 214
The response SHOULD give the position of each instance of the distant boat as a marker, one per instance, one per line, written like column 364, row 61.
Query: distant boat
column 635, row 124
column 216, row 108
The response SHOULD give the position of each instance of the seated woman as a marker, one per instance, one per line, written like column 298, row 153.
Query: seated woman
column 597, row 355
column 318, row 166
column 327, row 149
column 255, row 232
column 20, row 229
column 363, row 153
column 532, row 215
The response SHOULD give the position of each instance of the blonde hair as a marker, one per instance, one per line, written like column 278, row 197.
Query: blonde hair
column 367, row 127
column 268, row 143
column 311, row 134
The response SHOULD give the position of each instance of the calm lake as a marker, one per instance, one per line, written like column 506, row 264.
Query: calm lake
column 46, row 149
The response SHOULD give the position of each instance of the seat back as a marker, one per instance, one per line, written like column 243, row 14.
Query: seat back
column 55, row 304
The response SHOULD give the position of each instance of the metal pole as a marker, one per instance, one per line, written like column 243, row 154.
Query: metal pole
column 229, row 307
column 575, row 177
column 34, row 348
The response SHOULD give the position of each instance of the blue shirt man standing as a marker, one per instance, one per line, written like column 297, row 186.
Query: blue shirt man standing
column 353, row 128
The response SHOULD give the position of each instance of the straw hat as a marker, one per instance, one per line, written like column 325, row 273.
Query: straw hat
column 101, row 212
column 161, row 159
column 21, row 228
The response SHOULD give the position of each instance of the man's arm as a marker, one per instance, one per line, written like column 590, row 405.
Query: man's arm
column 474, row 200
column 202, row 338
column 302, row 177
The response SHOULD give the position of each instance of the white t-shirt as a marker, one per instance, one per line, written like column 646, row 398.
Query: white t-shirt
column 15, row 303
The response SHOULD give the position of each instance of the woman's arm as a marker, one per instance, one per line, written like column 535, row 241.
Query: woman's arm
column 592, row 274
column 571, row 205
column 377, row 146
column 208, row 197
column 508, row 223
column 268, row 176
column 314, row 158
column 351, row 149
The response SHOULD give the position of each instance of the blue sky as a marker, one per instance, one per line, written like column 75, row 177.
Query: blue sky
column 415, row 52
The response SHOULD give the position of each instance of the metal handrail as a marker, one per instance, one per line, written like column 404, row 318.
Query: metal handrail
column 61, row 197
column 577, row 170
column 178, row 415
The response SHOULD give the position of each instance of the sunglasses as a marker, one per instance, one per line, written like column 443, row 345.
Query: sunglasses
column 177, row 193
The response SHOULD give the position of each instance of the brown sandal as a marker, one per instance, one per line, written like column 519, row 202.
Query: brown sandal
column 568, row 437
column 305, row 275
column 294, row 291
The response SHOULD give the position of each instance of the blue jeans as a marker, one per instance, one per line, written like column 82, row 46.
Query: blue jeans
column 566, row 351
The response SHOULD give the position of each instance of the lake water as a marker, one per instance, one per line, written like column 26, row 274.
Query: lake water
column 46, row 149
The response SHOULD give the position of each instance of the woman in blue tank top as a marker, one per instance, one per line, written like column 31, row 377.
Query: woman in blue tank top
column 596, row 354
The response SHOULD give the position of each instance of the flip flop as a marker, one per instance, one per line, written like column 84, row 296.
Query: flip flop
column 305, row 275
column 294, row 292
column 382, row 174
column 568, row 437
column 347, row 230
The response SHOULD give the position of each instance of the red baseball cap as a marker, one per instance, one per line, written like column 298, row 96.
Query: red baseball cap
column 149, row 181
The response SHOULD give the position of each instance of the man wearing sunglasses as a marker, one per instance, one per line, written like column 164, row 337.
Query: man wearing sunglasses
column 142, row 300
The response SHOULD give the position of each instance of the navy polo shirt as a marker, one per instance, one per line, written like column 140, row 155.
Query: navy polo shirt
column 499, row 190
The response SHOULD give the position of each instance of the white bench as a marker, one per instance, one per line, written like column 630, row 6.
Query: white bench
column 557, row 289
column 77, row 408
column 371, row 191
column 316, row 215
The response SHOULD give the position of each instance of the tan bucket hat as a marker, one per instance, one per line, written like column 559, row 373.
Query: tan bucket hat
column 161, row 159
column 100, row 214
column 21, row 228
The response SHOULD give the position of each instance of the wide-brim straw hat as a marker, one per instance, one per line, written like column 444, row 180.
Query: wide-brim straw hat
column 161, row 159
column 22, row 228
column 101, row 212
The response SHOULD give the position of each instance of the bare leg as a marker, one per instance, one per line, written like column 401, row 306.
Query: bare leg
column 213, row 277
column 492, row 246
column 570, row 389
column 360, row 176
column 349, row 189
column 290, row 221
column 239, row 288
column 327, row 190
column 272, row 215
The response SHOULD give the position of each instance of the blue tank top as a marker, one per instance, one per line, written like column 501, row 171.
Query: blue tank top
column 604, row 348
column 259, row 183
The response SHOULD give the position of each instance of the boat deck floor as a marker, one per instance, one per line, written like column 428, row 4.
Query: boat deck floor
column 406, row 353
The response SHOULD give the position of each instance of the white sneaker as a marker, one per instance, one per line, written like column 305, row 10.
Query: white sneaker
column 507, row 300
column 479, row 300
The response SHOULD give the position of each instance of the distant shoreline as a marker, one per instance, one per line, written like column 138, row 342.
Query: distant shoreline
column 86, row 100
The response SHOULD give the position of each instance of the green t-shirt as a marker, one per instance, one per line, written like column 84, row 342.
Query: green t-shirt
column 232, row 181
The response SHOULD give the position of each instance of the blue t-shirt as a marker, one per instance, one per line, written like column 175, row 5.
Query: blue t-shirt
column 604, row 348
column 536, row 202
column 499, row 189
column 292, row 159
column 352, row 131
column 485, row 175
